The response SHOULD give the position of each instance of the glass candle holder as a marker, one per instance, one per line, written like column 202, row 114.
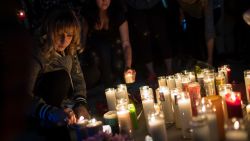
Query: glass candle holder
column 233, row 102
column 170, row 82
column 235, row 130
column 178, row 78
column 94, row 127
column 162, row 81
column 110, row 118
column 209, row 84
column 164, row 98
column 219, row 80
column 124, row 120
column 129, row 76
column 121, row 92
column 147, row 100
column 111, row 98
column 227, row 72
column 200, row 129
column 157, row 127
column 217, row 103
column 175, row 95
column 247, row 84
column 185, row 81
column 205, row 108
column 225, row 89
column 185, row 112
column 194, row 94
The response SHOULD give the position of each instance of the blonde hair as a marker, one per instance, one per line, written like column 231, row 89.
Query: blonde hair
column 60, row 21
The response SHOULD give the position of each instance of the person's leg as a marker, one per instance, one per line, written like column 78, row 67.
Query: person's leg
column 103, row 51
column 158, row 26
column 138, row 19
column 53, row 87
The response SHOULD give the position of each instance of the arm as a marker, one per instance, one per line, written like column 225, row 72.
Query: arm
column 209, row 29
column 124, row 34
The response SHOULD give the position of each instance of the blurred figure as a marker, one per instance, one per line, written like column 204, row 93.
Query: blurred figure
column 57, row 84
column 149, row 23
column 200, row 33
column 105, row 21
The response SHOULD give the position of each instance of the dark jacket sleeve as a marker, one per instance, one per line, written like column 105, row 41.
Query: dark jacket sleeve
column 38, row 108
column 79, row 94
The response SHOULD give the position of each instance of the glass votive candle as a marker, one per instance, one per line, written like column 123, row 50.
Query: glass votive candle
column 124, row 120
column 170, row 82
column 194, row 94
column 234, row 107
column 225, row 89
column 219, row 79
column 209, row 84
column 205, row 108
column 129, row 76
column 235, row 130
column 164, row 98
column 200, row 129
column 93, row 127
column 175, row 94
column 227, row 72
column 178, row 78
column 185, row 112
column 162, row 81
column 121, row 91
column 111, row 98
column 247, row 84
column 157, row 127
column 110, row 118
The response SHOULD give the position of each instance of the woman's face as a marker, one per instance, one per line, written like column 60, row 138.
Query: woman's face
column 103, row 4
column 63, row 40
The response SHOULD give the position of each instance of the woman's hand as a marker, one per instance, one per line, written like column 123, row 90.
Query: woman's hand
column 81, row 111
column 71, row 117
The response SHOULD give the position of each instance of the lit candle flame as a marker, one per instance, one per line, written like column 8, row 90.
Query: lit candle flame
column 233, row 97
column 236, row 125
column 93, row 120
column 203, row 109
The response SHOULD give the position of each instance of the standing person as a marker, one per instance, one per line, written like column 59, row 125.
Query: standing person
column 200, row 32
column 57, row 84
column 105, row 21
column 148, row 20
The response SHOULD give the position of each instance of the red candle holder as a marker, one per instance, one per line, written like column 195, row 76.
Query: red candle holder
column 194, row 94
column 233, row 102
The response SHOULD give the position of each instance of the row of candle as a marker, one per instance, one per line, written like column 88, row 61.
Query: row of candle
column 182, row 102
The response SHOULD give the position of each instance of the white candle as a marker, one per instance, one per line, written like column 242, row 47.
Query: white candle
column 212, row 123
column 236, row 131
column 178, row 78
column 82, row 121
column 121, row 92
column 236, row 136
column 129, row 76
column 200, row 129
column 184, row 104
column 209, row 84
column 247, row 83
column 171, row 82
column 111, row 98
column 94, row 127
column 165, row 100
column 174, row 98
column 157, row 128
column 124, row 120
column 162, row 81
column 248, row 109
